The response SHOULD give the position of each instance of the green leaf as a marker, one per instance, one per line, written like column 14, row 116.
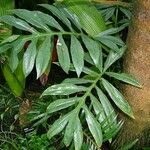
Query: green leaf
column 13, row 59
column 93, row 47
column 97, row 108
column 108, row 109
column 107, row 42
column 58, row 126
column 31, row 17
column 18, row 23
column 38, row 116
column 4, row 48
column 72, row 17
column 61, row 104
column 77, row 81
column 94, row 127
column 92, row 23
column 10, row 39
column 118, row 98
column 125, row 78
column 127, row 12
column 116, row 40
column 86, row 70
column 111, row 132
column 111, row 42
column 63, row 89
column 90, row 71
column 69, row 132
column 41, row 121
column 88, row 58
column 129, row 145
column 58, row 14
column 109, row 32
column 100, row 63
column 49, row 20
column 43, row 56
column 63, row 54
column 106, row 116
column 108, row 13
column 112, row 57
column 77, row 54
column 29, row 58
column 78, row 135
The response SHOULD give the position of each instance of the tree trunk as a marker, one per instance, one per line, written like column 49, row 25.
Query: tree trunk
column 137, row 62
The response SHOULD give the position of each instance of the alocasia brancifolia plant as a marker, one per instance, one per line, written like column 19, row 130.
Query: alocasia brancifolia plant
column 92, row 47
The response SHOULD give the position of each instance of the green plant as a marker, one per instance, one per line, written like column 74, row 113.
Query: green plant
column 129, row 145
column 8, row 140
column 88, row 98
column 15, row 79
column 32, row 141
column 9, row 107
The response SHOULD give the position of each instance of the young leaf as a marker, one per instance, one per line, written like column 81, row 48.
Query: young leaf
column 43, row 56
column 77, row 54
column 125, row 78
column 61, row 104
column 58, row 126
column 94, row 127
column 78, row 135
column 31, row 17
column 63, row 89
column 18, row 23
column 29, row 58
column 118, row 98
column 63, row 54
column 112, row 57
